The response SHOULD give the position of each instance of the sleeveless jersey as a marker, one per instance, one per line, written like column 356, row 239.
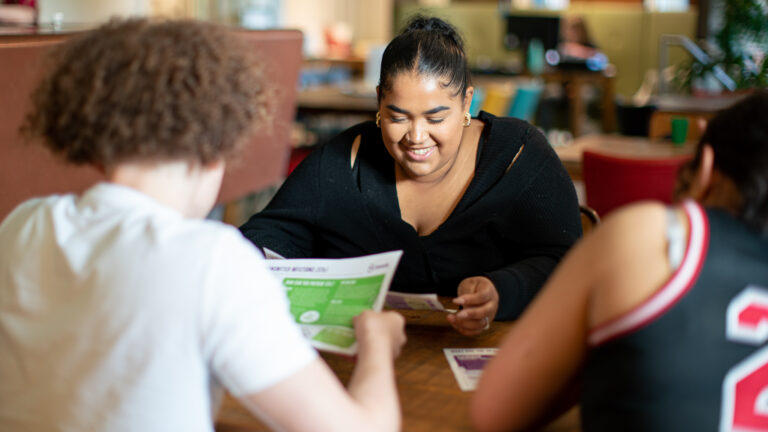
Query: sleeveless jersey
column 692, row 357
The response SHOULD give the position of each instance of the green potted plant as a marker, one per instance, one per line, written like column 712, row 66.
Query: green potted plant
column 740, row 48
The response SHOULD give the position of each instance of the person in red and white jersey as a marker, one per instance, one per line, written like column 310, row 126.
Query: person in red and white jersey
column 659, row 318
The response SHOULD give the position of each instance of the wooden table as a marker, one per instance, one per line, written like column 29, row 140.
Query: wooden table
column 619, row 145
column 690, row 107
column 429, row 395
column 574, row 81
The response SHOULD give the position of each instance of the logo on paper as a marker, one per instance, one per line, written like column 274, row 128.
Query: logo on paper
column 309, row 316
column 372, row 267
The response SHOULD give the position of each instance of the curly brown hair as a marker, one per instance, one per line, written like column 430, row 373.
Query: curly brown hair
column 141, row 90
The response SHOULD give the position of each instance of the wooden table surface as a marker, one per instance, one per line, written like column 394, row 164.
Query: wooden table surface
column 430, row 398
column 618, row 145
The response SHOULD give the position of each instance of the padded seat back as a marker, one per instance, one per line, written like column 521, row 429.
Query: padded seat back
column 28, row 169
column 612, row 181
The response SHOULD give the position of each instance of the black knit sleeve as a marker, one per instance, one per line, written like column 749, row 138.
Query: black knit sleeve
column 543, row 223
column 286, row 225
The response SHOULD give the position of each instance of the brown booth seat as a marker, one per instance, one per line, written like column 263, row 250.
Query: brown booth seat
column 29, row 170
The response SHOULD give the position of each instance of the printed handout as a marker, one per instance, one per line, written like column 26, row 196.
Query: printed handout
column 325, row 294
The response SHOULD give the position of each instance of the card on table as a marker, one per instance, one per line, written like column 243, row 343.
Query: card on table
column 467, row 364
column 409, row 301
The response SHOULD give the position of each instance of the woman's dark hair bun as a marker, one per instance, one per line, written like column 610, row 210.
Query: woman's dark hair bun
column 435, row 25
column 430, row 47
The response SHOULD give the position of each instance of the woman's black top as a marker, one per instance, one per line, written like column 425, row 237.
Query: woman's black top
column 513, row 224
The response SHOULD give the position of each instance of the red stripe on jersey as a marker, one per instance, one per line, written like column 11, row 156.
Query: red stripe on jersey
column 670, row 293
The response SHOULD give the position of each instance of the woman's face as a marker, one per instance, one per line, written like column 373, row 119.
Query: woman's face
column 422, row 123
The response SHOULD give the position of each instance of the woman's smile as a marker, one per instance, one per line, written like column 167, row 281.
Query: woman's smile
column 419, row 154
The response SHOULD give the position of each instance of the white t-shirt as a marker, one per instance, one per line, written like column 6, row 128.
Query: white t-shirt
column 118, row 314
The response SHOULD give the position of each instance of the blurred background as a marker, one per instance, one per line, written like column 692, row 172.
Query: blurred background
column 574, row 68
column 643, row 46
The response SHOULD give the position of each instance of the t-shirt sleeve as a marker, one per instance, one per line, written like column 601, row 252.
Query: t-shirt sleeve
column 250, row 340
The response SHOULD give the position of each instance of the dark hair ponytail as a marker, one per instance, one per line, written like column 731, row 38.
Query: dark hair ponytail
column 431, row 47
column 739, row 138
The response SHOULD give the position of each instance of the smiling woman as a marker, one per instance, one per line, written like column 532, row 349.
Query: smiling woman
column 482, row 208
column 422, row 127
column 433, row 145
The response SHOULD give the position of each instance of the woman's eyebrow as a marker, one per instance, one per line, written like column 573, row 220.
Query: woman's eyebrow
column 398, row 109
column 436, row 110
column 430, row 111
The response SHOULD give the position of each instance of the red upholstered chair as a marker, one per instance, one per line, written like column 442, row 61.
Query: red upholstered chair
column 612, row 181
column 27, row 171
column 265, row 159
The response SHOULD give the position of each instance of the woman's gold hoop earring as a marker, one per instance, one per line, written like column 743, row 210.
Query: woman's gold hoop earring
column 467, row 119
column 378, row 119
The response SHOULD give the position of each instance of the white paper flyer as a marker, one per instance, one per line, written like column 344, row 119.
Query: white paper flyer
column 325, row 294
column 408, row 301
column 467, row 364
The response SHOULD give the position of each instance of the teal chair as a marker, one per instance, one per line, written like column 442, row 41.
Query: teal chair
column 478, row 98
column 525, row 102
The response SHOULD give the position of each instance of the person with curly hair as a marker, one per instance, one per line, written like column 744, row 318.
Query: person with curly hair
column 121, row 309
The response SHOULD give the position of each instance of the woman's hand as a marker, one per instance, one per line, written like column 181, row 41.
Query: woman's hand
column 479, row 300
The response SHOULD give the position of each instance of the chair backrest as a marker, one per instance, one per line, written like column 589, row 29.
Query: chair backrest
column 28, row 170
column 612, row 181
column 525, row 102
column 634, row 120
column 265, row 159
column 478, row 98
